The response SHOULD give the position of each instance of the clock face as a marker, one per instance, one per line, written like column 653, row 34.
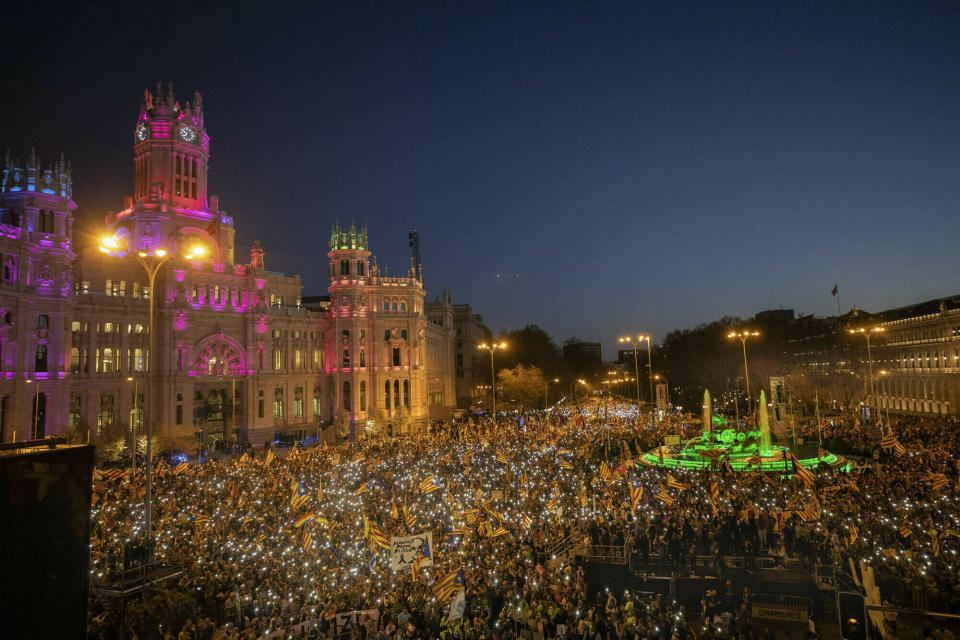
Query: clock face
column 142, row 132
column 187, row 134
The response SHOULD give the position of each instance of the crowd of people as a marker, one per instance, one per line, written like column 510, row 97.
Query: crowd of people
column 297, row 545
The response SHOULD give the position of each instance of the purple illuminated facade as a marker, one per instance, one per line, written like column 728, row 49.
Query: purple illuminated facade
column 240, row 353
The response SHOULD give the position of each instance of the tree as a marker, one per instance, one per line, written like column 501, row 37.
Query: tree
column 531, row 346
column 521, row 386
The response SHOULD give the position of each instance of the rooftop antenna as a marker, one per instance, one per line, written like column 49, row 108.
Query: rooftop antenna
column 414, row 238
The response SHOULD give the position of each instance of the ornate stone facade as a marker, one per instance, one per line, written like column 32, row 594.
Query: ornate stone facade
column 240, row 354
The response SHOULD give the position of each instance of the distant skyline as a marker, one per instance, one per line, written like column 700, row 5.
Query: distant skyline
column 595, row 169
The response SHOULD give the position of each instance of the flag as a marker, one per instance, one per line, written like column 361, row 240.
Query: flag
column 636, row 492
column 300, row 496
column 305, row 519
column 577, row 421
column 564, row 464
column 502, row 458
column 269, row 458
column 606, row 474
column 448, row 585
column 904, row 531
column 937, row 480
column 430, row 484
column 363, row 488
column 673, row 482
column 319, row 490
column 307, row 540
column 110, row 475
column 834, row 292
column 408, row 518
column 892, row 441
column 663, row 495
column 803, row 473
column 393, row 510
column 467, row 457
column 854, row 533
column 714, row 497
column 810, row 511
column 180, row 468
column 527, row 521
column 378, row 537
column 500, row 531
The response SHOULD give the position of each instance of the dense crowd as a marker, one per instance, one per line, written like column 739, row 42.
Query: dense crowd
column 285, row 546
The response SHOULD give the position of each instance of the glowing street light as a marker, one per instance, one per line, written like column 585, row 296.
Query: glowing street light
column 546, row 389
column 867, row 333
column 493, row 346
column 636, row 341
column 743, row 336
column 151, row 260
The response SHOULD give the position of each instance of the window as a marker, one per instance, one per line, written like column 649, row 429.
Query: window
column 346, row 395
column 393, row 307
column 396, row 394
column 386, row 306
column 403, row 334
column 363, row 361
column 386, row 394
column 316, row 401
column 179, row 408
column 297, row 359
column 43, row 321
column 386, row 334
column 363, row 396
column 344, row 267
column 278, row 403
column 277, row 359
column 260, row 403
column 317, row 359
column 403, row 306
column 406, row 393
column 108, row 363
column 298, row 407
column 346, row 357
column 40, row 362
column 75, row 360
column 105, row 416
column 75, row 325
column 396, row 357
column 138, row 361
column 361, row 268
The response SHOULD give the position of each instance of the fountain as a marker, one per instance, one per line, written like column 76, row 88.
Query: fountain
column 744, row 450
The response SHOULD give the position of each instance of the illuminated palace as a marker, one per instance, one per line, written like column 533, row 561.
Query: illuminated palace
column 241, row 353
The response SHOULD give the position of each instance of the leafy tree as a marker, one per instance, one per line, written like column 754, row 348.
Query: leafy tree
column 522, row 386
column 531, row 346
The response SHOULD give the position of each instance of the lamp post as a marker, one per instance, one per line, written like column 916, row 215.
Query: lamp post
column 133, row 425
column 867, row 333
column 658, row 377
column 573, row 388
column 546, row 389
column 151, row 260
column 743, row 336
column 636, row 363
column 493, row 346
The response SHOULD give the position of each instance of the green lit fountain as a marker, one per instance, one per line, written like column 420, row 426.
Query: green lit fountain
column 744, row 450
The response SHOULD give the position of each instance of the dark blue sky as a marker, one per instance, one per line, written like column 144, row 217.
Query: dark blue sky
column 628, row 167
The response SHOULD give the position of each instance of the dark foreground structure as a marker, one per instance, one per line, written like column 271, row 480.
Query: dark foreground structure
column 45, row 492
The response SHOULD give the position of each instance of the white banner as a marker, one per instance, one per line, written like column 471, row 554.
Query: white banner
column 349, row 620
column 404, row 550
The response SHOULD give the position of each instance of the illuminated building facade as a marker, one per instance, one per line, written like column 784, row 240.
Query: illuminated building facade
column 239, row 356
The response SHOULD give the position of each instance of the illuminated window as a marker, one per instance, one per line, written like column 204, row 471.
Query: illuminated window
column 363, row 396
column 296, row 359
column 277, row 359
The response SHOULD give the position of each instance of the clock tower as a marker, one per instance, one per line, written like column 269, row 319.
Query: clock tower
column 170, row 200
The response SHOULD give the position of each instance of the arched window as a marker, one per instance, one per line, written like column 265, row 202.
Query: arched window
column 40, row 363
column 386, row 306
column 403, row 306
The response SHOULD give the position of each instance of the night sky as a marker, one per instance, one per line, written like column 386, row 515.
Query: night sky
column 593, row 169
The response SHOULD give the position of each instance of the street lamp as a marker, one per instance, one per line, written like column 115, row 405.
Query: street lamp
column 151, row 260
column 573, row 388
column 658, row 377
column 546, row 389
column 636, row 365
column 493, row 346
column 743, row 336
column 867, row 333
